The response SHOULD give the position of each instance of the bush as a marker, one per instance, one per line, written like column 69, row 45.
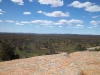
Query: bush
column 80, row 47
column 8, row 52
column 97, row 49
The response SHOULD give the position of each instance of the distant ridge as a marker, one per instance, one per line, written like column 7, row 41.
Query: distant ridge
column 50, row 33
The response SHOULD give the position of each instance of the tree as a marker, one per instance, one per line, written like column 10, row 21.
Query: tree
column 52, row 49
column 8, row 52
column 80, row 47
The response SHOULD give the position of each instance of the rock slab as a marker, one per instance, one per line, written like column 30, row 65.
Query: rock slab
column 77, row 63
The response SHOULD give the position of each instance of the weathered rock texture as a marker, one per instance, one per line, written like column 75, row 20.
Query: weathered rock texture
column 78, row 63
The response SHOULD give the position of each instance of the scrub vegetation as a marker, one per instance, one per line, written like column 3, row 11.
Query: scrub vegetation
column 13, row 46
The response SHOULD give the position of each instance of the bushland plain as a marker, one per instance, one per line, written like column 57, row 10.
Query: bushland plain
column 29, row 45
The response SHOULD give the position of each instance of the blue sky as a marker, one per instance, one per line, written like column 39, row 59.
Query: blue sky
column 50, row 16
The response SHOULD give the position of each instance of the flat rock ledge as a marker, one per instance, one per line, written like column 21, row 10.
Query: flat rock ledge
column 77, row 63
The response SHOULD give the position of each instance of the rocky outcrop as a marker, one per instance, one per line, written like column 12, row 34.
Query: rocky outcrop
column 78, row 63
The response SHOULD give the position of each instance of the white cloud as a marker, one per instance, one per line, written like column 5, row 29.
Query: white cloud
column 17, row 23
column 69, row 22
column 42, row 22
column 79, row 26
column 95, row 23
column 26, row 13
column 48, row 23
column 95, row 16
column 90, row 27
column 60, row 26
column 19, row 2
column 55, row 14
column 22, row 23
column 39, row 12
column 53, row 3
column 1, row 11
column 94, row 8
column 57, row 23
column 0, row 0
column 1, row 21
column 88, row 6
column 78, row 4
column 49, row 26
column 63, row 21
column 25, row 22
column 30, row 0
column 9, row 21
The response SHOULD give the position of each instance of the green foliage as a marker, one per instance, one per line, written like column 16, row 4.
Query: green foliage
column 28, row 45
column 8, row 52
column 79, row 47
column 97, row 49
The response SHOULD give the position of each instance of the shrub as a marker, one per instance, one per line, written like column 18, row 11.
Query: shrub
column 8, row 52
column 80, row 47
column 97, row 49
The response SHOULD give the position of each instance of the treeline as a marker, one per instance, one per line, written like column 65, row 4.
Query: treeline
column 26, row 45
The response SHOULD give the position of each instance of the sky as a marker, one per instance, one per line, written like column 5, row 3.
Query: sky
column 50, row 16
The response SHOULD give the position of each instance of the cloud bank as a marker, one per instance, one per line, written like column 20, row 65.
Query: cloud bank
column 53, row 3
column 54, row 14
column 87, row 6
